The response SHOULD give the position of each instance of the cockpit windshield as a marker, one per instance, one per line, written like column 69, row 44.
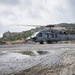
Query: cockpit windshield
column 34, row 34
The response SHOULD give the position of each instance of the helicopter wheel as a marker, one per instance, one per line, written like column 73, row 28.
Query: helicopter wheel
column 49, row 42
column 41, row 42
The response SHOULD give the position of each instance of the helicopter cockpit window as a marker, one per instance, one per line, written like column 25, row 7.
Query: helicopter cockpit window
column 40, row 34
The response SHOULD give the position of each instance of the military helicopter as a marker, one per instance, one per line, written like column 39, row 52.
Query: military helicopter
column 50, row 36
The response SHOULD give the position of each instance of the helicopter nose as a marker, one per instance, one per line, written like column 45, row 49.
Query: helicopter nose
column 34, row 38
column 28, row 39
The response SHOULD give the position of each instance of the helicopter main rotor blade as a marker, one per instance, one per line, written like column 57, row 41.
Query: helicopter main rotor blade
column 27, row 25
column 46, row 26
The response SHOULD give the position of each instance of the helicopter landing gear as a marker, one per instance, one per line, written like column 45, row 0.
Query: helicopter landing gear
column 41, row 42
column 49, row 42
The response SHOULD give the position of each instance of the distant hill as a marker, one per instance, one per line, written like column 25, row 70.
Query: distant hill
column 10, row 36
column 70, row 28
column 67, row 25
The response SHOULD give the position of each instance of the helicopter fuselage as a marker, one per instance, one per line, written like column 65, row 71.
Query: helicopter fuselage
column 50, row 36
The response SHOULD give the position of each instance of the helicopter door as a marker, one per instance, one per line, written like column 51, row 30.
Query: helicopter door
column 52, row 35
column 56, row 35
column 47, row 35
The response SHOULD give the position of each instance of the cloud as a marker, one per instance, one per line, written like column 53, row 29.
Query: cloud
column 31, row 11
column 9, row 2
column 46, row 11
column 71, row 8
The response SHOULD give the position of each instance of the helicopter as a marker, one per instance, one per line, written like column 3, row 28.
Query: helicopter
column 50, row 36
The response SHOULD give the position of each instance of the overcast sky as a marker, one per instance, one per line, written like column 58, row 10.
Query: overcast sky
column 34, row 12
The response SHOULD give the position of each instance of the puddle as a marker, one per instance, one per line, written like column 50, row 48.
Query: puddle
column 34, row 53
column 27, row 53
column 42, row 52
